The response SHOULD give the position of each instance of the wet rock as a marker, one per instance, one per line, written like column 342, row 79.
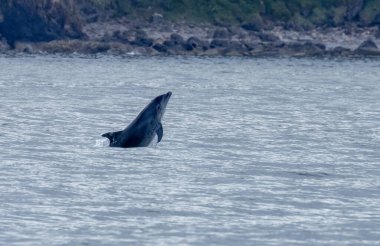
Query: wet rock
column 142, row 39
column 177, row 39
column 174, row 40
column 368, row 45
column 221, row 38
column 195, row 43
column 159, row 46
column 175, row 44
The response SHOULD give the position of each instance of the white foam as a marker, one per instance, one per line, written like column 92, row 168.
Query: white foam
column 102, row 142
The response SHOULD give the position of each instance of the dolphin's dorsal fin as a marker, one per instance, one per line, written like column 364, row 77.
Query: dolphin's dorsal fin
column 160, row 132
column 112, row 136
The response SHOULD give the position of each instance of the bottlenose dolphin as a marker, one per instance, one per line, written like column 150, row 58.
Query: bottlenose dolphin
column 144, row 128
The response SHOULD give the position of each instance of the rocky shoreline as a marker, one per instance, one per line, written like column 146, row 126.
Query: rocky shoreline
column 77, row 26
column 161, row 38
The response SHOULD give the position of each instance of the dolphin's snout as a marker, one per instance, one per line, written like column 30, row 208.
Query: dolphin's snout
column 169, row 94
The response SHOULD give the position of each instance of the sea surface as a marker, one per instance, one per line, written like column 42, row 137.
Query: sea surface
column 255, row 152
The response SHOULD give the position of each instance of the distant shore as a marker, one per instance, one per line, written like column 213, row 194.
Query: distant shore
column 56, row 28
column 122, row 36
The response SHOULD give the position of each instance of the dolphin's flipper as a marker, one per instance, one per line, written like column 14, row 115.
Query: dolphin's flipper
column 160, row 132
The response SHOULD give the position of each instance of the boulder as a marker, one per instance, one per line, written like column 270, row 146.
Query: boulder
column 177, row 39
column 174, row 45
column 368, row 48
column 194, row 43
column 160, row 48
column 221, row 38
column 142, row 39
column 368, row 45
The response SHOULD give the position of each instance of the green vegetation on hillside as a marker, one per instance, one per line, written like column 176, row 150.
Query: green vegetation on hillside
column 303, row 13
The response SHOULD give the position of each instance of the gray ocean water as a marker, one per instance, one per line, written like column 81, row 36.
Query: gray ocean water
column 255, row 152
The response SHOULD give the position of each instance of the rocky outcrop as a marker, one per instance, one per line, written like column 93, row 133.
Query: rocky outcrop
column 368, row 48
column 39, row 20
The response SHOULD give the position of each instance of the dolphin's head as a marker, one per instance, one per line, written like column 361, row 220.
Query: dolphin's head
column 158, row 105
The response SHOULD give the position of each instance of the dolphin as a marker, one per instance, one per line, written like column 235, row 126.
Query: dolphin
column 144, row 128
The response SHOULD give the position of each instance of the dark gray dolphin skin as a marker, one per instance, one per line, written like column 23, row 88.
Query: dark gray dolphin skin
column 143, row 129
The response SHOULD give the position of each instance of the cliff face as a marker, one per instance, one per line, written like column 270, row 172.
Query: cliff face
column 38, row 20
